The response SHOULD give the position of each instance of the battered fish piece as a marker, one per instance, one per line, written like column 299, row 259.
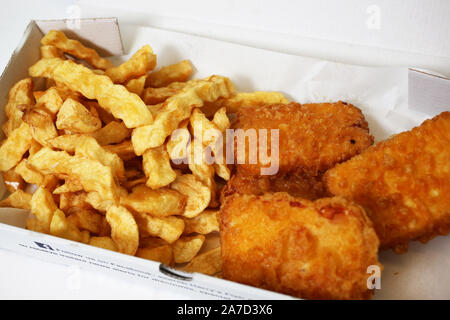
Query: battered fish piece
column 296, row 184
column 312, row 137
column 312, row 250
column 403, row 183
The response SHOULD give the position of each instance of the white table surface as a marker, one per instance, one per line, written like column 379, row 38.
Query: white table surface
column 407, row 33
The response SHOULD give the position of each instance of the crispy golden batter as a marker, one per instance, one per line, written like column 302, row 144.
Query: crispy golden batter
column 312, row 137
column 296, row 184
column 313, row 250
column 403, row 183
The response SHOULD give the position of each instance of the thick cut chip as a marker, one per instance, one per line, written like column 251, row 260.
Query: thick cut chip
column 66, row 142
column 20, row 94
column 156, row 164
column 124, row 230
column 35, row 225
column 211, row 134
column 49, row 51
column 92, row 175
column 88, row 147
column 197, row 193
column 139, row 64
column 245, row 99
column 160, row 203
column 124, row 150
column 154, row 96
column 15, row 146
column 31, row 175
column 166, row 228
column 136, row 85
column 86, row 219
column 206, row 222
column 73, row 200
column 43, row 206
column 177, row 145
column 209, row 263
column 50, row 100
column 103, row 242
column 186, row 248
column 75, row 48
column 17, row 199
column 68, row 186
column 203, row 171
column 63, row 228
column 12, row 180
column 113, row 132
column 104, row 115
column 179, row 107
column 178, row 72
column 41, row 125
column 114, row 98
column 73, row 116
column 161, row 254
column 98, row 202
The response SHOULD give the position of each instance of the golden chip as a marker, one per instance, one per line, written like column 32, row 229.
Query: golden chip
column 50, row 100
column 245, row 99
column 177, row 108
column 166, row 228
column 92, row 175
column 209, row 263
column 157, row 95
column 63, row 228
column 160, row 203
column 103, row 242
column 161, row 254
column 17, row 199
column 41, row 125
column 75, row 48
column 49, row 51
column 43, row 206
column 114, row 98
column 73, row 116
column 139, row 64
column 180, row 71
column 20, row 94
column 124, row 149
column 12, row 180
column 124, row 230
column 206, row 222
column 15, row 146
column 186, row 248
column 113, row 132
column 86, row 219
column 136, row 85
column 198, row 194
column 156, row 164
column 68, row 186
column 70, row 200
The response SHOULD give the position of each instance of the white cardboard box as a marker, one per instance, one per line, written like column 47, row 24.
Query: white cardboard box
column 393, row 100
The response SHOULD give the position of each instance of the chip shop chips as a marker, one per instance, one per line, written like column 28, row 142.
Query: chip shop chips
column 98, row 145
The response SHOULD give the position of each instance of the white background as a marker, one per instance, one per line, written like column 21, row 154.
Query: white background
column 410, row 33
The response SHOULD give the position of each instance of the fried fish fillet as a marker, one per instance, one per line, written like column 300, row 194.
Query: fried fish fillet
column 297, row 184
column 403, row 183
column 313, row 250
column 312, row 137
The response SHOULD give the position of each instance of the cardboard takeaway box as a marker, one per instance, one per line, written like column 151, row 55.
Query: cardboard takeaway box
column 403, row 98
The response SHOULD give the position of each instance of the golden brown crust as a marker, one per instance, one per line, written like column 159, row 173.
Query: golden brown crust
column 312, row 137
column 296, row 184
column 403, row 183
column 313, row 250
